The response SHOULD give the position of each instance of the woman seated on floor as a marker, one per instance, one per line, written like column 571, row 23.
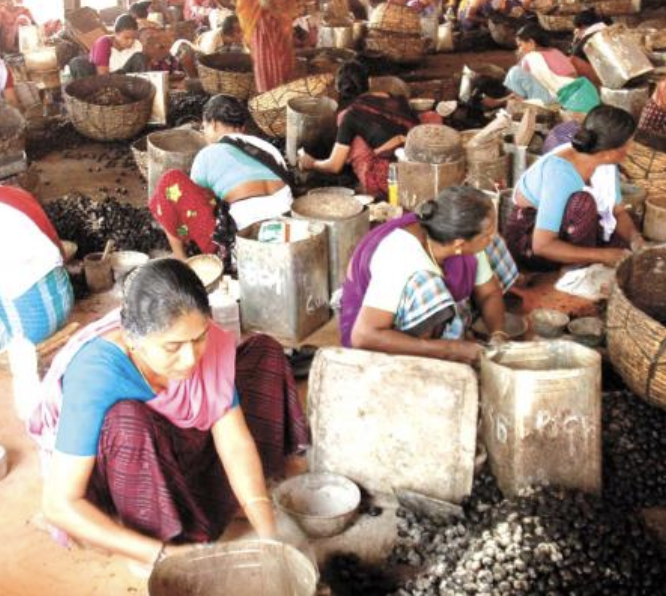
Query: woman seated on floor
column 410, row 281
column 556, row 219
column 545, row 74
column 243, row 170
column 36, row 296
column 371, row 127
column 118, row 53
column 157, row 428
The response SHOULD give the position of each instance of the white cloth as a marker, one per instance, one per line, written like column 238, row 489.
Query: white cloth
column 539, row 69
column 119, row 58
column 249, row 211
column 4, row 75
column 26, row 254
column 593, row 283
column 209, row 41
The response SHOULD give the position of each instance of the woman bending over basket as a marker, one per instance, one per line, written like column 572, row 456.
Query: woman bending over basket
column 369, row 130
column 411, row 281
column 155, row 428
column 562, row 214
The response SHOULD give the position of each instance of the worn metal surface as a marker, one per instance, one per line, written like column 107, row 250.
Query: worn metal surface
column 394, row 422
column 616, row 57
column 491, row 174
column 284, row 287
column 420, row 182
column 632, row 99
column 343, row 232
column 247, row 567
column 335, row 37
column 541, row 412
column 311, row 126
column 171, row 149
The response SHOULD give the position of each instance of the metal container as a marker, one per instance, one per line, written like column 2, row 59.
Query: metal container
column 371, row 415
column 616, row 57
column 284, row 287
column 541, row 411
column 420, row 182
column 98, row 272
column 346, row 220
column 335, row 37
column 310, row 125
column 171, row 149
column 633, row 199
column 322, row 504
column 491, row 174
column 654, row 225
column 489, row 149
column 359, row 31
column 332, row 190
column 631, row 99
column 247, row 567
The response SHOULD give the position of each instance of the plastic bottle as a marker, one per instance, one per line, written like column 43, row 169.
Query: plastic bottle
column 393, row 185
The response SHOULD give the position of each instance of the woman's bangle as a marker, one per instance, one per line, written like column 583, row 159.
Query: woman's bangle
column 500, row 333
column 254, row 500
column 161, row 554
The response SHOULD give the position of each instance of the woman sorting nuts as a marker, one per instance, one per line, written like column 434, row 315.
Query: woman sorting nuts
column 156, row 428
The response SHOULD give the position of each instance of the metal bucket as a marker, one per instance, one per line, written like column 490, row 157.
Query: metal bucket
column 247, row 567
column 347, row 222
column 632, row 99
column 171, row 149
column 616, row 57
column 654, row 226
column 420, row 182
column 284, row 286
column 310, row 125
column 335, row 37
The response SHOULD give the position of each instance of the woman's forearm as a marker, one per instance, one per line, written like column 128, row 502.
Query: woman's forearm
column 559, row 251
column 242, row 464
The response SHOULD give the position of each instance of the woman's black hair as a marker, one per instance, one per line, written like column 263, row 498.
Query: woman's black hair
column 224, row 234
column 229, row 24
column 158, row 293
column 351, row 81
column 587, row 18
column 457, row 212
column 226, row 110
column 125, row 22
column 139, row 10
column 532, row 32
column 604, row 128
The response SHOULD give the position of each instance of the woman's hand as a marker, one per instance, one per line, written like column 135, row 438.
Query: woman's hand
column 612, row 256
column 305, row 161
column 466, row 352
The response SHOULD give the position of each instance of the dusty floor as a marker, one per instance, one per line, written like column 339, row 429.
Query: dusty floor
column 32, row 564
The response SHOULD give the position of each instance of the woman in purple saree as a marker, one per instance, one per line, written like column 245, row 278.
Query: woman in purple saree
column 411, row 281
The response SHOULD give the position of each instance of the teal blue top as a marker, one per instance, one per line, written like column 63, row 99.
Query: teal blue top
column 548, row 185
column 220, row 168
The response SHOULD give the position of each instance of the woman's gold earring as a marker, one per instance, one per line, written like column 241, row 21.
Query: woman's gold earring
column 458, row 251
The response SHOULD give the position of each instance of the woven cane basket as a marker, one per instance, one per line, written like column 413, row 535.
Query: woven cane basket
column 395, row 18
column 109, row 122
column 405, row 48
column 636, row 338
column 646, row 167
column 140, row 154
column 556, row 22
column 269, row 110
column 230, row 74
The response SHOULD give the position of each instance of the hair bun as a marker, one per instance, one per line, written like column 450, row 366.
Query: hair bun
column 584, row 141
column 427, row 210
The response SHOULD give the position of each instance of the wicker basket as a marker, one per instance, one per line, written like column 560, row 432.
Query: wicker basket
column 404, row 48
column 635, row 336
column 230, row 74
column 611, row 8
column 556, row 22
column 396, row 19
column 269, row 110
column 109, row 122
column 140, row 154
column 646, row 167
